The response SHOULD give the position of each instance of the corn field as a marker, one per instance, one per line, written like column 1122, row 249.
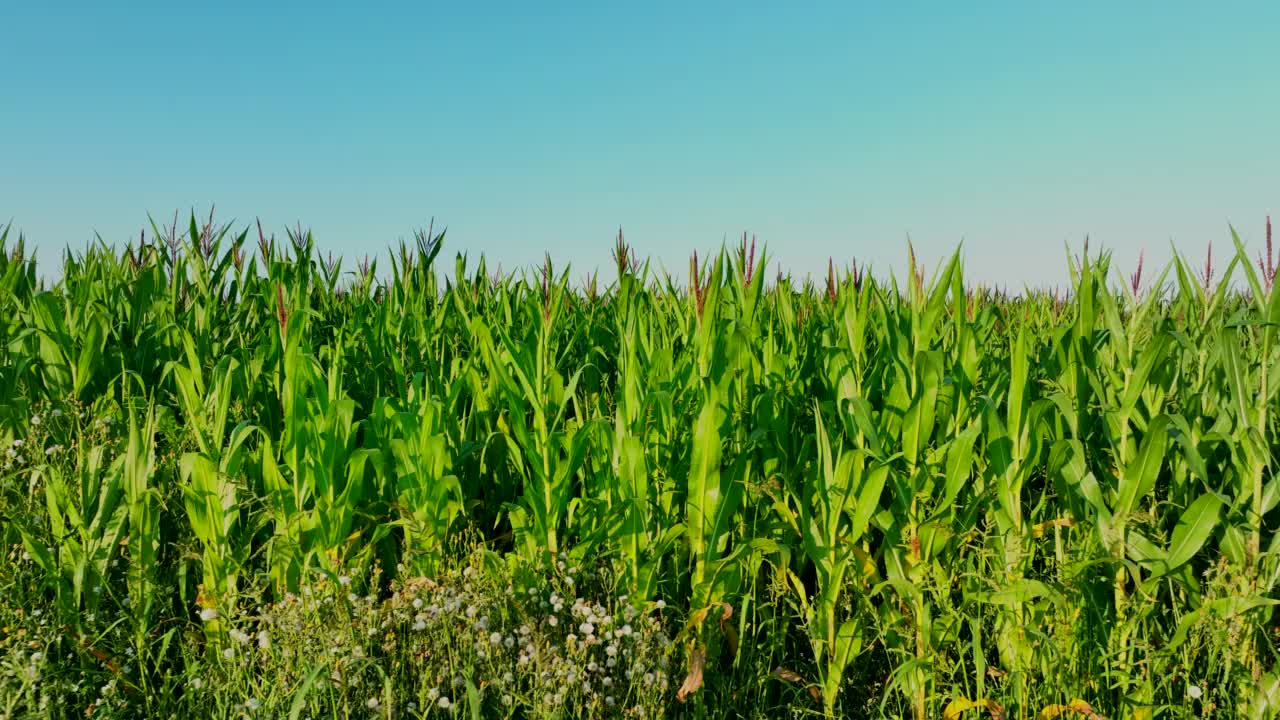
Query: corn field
column 242, row 480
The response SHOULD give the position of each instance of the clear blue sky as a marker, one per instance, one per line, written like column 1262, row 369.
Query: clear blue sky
column 834, row 128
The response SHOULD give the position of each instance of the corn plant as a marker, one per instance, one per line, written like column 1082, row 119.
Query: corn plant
column 855, row 495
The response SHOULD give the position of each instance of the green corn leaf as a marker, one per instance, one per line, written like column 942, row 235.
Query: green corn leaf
column 1194, row 528
column 1139, row 477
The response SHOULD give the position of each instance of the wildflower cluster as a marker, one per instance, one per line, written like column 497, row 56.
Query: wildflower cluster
column 428, row 647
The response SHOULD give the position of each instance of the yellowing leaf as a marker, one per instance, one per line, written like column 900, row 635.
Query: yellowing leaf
column 866, row 564
column 958, row 706
column 1040, row 529
column 1078, row 707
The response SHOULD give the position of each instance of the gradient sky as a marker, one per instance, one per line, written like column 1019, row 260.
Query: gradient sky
column 833, row 128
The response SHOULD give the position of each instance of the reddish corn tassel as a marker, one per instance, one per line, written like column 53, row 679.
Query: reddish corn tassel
column 206, row 236
column 283, row 316
column 263, row 247
column 695, row 280
column 1135, row 281
column 622, row 256
column 831, row 280
column 916, row 269
column 1269, row 271
column 546, row 290
column 748, row 259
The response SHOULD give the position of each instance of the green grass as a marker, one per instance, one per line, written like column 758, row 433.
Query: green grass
column 240, row 481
